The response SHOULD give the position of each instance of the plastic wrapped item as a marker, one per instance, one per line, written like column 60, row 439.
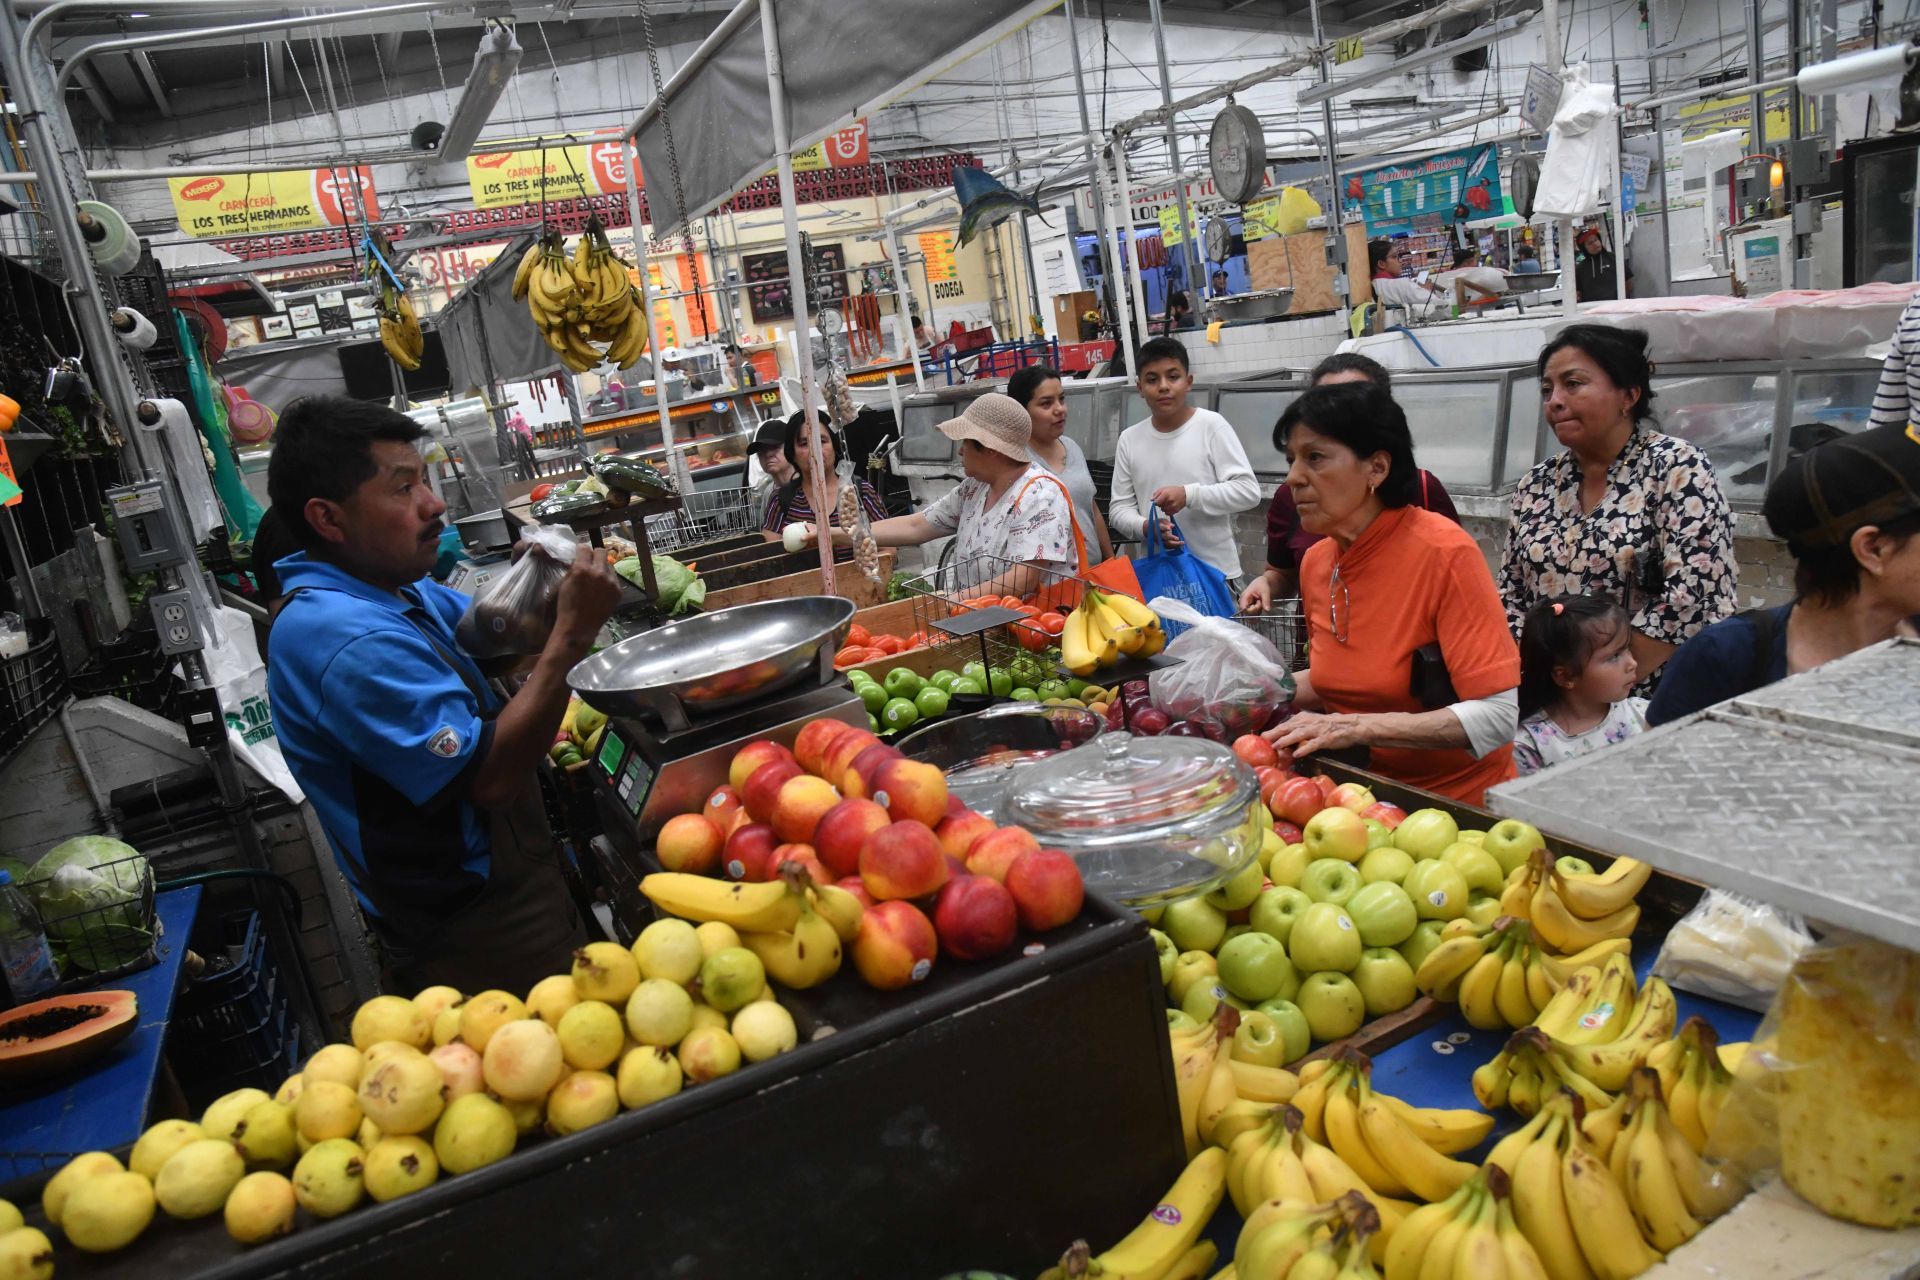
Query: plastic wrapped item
column 1829, row 1093
column 515, row 614
column 572, row 498
column 1227, row 672
column 13, row 635
column 853, row 518
column 1734, row 949
column 632, row 476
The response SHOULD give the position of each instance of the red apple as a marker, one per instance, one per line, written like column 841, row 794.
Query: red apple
column 895, row 947
column 995, row 851
column 912, row 791
column 902, row 860
column 747, row 850
column 751, row 757
column 799, row 805
column 1270, row 776
column 689, row 842
column 762, row 791
column 1295, row 800
column 858, row 888
column 1288, row 832
column 843, row 829
column 841, row 753
column 802, row 854
column 1387, row 815
column 1150, row 722
column 957, row 832
column 1351, row 795
column 1326, row 786
column 857, row 778
column 976, row 918
column 1255, row 750
column 1047, row 888
column 815, row 737
column 721, row 806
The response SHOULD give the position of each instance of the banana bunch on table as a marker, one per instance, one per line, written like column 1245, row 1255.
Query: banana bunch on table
column 1588, row 1040
column 1500, row 976
column 1104, row 627
column 584, row 301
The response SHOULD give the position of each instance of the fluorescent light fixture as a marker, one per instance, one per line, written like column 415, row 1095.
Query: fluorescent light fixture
column 493, row 66
column 1472, row 40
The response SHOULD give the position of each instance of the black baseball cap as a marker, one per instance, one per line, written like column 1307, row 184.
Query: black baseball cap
column 1835, row 488
column 771, row 435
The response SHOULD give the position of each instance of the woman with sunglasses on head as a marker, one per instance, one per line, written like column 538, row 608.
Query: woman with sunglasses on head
column 1410, row 653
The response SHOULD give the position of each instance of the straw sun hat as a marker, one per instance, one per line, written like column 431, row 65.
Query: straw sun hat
column 997, row 422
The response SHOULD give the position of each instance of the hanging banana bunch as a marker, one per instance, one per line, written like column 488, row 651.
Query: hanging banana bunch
column 576, row 304
column 399, row 324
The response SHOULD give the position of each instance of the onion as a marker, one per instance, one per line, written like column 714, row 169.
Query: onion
column 794, row 537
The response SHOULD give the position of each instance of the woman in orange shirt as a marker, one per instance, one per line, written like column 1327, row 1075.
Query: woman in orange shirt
column 1410, row 655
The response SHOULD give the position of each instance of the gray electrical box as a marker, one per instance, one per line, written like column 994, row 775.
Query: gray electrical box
column 150, row 537
column 173, row 618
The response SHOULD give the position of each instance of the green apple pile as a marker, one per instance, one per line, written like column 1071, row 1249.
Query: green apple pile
column 1313, row 939
column 903, row 698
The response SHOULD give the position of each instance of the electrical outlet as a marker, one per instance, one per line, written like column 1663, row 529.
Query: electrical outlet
column 173, row 618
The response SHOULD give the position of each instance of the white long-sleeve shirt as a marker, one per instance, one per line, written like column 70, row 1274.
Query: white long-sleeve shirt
column 1203, row 455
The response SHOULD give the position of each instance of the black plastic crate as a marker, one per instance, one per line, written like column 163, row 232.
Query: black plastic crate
column 134, row 669
column 234, row 1027
column 31, row 685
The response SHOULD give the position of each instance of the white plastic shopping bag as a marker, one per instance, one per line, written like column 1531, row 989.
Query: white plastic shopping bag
column 240, row 677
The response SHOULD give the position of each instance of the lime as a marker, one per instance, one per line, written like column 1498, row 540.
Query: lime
column 902, row 683
column 966, row 684
column 1054, row 689
column 872, row 696
column 1076, row 686
column 1000, row 680
column 943, row 680
column 975, row 671
column 899, row 713
column 1025, row 695
column 931, row 701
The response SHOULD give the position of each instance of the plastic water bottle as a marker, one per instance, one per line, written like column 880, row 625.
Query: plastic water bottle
column 26, row 962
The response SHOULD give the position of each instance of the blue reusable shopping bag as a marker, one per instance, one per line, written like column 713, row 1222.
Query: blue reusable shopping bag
column 1181, row 575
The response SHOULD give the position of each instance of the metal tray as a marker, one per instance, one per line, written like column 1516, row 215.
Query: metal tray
column 1266, row 304
column 714, row 661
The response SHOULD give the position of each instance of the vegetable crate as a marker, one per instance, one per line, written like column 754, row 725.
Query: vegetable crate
column 98, row 920
column 961, row 585
column 31, row 685
column 234, row 1028
column 706, row 516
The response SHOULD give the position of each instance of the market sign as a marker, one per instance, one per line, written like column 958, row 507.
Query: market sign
column 1170, row 225
column 500, row 179
column 231, row 204
column 1261, row 219
column 845, row 148
column 1452, row 186
column 937, row 248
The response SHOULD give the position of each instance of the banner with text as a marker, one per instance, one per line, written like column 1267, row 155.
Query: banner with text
column 1451, row 186
column 232, row 204
column 841, row 150
column 503, row 178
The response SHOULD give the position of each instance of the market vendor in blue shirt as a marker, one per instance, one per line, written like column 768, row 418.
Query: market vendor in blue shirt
column 423, row 777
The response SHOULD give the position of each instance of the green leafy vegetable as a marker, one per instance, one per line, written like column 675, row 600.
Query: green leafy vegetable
column 681, row 588
column 91, row 895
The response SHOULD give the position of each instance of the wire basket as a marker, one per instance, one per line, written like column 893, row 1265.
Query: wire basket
column 959, row 585
column 705, row 515
column 1285, row 628
column 31, row 685
column 97, row 929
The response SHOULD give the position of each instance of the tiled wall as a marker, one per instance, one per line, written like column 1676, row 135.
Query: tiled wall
column 1248, row 349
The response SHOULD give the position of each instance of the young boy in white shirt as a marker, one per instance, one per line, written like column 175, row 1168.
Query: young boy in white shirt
column 1185, row 461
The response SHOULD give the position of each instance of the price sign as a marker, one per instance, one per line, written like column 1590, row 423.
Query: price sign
column 937, row 248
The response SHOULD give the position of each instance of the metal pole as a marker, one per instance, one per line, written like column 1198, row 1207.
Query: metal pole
column 1563, row 227
column 1337, row 223
column 1123, row 314
column 1666, row 201
column 676, row 465
column 1124, row 191
column 1196, row 270
column 1756, row 68
column 797, row 273
column 1620, row 212
column 1033, row 280
column 1093, row 166
column 902, row 294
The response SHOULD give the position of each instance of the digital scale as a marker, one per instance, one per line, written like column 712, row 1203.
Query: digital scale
column 472, row 576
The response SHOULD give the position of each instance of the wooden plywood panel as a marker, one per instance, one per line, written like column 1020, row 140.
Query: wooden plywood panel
column 1312, row 277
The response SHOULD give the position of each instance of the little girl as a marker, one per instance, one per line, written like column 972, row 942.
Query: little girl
column 1575, row 674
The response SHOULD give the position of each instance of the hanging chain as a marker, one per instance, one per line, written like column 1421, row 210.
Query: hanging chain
column 673, row 166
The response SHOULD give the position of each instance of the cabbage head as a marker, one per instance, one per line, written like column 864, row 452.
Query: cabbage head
column 90, row 892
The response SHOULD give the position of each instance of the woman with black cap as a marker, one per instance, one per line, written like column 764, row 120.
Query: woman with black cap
column 767, row 467
column 1849, row 511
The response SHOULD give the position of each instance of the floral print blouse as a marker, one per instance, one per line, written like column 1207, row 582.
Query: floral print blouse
column 1540, row 743
column 1032, row 521
column 1660, row 540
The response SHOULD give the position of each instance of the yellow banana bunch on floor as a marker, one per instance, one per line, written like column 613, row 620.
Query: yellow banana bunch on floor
column 1694, row 1081
column 1672, row 1191
column 1103, row 628
column 1566, row 1202
column 1163, row 1245
column 1471, row 1235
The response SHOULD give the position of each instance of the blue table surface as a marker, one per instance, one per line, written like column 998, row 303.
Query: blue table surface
column 105, row 1108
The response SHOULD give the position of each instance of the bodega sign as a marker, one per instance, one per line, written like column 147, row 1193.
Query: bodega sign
column 234, row 204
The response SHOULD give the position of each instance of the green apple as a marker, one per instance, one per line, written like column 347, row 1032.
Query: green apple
column 1385, row 863
column 1439, row 890
column 1233, row 931
column 1568, row 865
column 1254, row 966
column 967, row 685
column 1195, row 924
column 1426, row 833
column 1385, row 980
column 1270, row 844
column 1288, row 865
column 1324, row 938
column 1334, row 1007
column 902, row 683
column 1275, row 910
column 1383, row 913
column 1330, row 880
column 1379, row 834
column 1474, row 837
column 1481, row 869
column 974, row 671
column 1189, row 970
column 1483, row 910
column 1512, row 842
column 1335, row 833
column 1426, row 936
column 1240, row 889
column 1177, row 1020
column 1152, row 915
column 1258, row 1041
column 1205, row 997
column 1292, row 1025
column 1262, row 817
column 1169, row 954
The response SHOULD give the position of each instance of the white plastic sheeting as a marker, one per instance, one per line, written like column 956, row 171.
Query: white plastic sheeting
column 1579, row 148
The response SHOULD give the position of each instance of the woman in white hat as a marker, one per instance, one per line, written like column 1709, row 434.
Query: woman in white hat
column 1009, row 506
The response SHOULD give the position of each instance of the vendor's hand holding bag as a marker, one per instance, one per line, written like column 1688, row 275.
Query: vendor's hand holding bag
column 1181, row 575
column 514, row 613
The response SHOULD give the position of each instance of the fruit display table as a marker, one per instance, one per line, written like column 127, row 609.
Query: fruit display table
column 105, row 1107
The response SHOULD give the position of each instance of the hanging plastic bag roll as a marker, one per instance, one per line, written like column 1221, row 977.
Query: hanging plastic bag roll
column 1873, row 71
column 110, row 240
column 133, row 329
column 188, row 457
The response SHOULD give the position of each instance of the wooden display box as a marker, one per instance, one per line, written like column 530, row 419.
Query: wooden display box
column 851, row 583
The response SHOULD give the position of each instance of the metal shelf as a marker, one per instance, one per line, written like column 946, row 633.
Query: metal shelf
column 1799, row 794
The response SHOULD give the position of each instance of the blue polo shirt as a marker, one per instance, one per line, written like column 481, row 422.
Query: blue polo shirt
column 384, row 736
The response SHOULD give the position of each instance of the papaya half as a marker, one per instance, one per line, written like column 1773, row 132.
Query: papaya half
column 60, row 1034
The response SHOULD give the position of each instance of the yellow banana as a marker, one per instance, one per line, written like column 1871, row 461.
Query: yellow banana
column 1264, row 1084
column 1348, row 1142
column 1076, row 650
column 1219, row 1093
column 1565, row 932
column 1105, row 648
column 1155, row 641
column 1448, row 1131
column 1333, row 1178
column 1412, row 1163
column 1480, row 1253
column 523, row 274
column 1442, row 972
column 1606, row 1017
column 1445, row 1243
column 1609, row 1065
column 1239, row 1118
column 1531, row 1083
column 1243, row 1152
column 1126, row 637
column 1276, row 1235
column 1280, row 1175
column 1523, row 1260
column 1683, row 1104
column 1540, row 1206
column 756, row 908
column 1557, row 1072
column 1602, row 1128
column 1131, row 611
column 1541, row 988
column 1594, row 897
column 841, row 909
column 1493, row 1079
column 1641, row 1167
column 1478, row 987
column 1318, row 1264
column 802, row 958
column 1194, row 1263
column 1192, row 1069
column 1510, row 996
column 1708, row 1190
column 1310, row 1100
column 1560, row 969
column 1165, row 1234
column 1506, row 1152
column 1413, row 1242
column 1602, row 1220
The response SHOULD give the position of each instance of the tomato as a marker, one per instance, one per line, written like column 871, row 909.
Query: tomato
column 887, row 644
column 540, row 491
column 858, row 636
column 850, row 656
column 1051, row 623
column 918, row 640
column 1026, row 610
column 1032, row 639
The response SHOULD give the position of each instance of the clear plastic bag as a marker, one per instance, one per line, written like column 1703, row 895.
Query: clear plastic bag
column 1227, row 672
column 515, row 614
column 853, row 518
column 1733, row 948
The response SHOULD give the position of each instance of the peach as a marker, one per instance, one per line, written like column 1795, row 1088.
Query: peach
column 747, row 850
column 691, row 843
column 1297, row 800
column 902, row 860
column 751, row 757
column 995, row 851
column 801, row 854
column 957, row 832
column 912, row 791
column 857, row 778
column 976, row 918
column 954, row 807
column 841, row 753
column 895, row 946
column 816, row 736
column 721, row 806
column 1046, row 887
column 763, row 788
column 857, row 887
column 843, row 829
column 799, row 805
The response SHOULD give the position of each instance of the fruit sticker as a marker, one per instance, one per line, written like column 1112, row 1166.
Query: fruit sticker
column 1166, row 1215
column 1600, row 1016
column 921, row 968
column 1438, row 897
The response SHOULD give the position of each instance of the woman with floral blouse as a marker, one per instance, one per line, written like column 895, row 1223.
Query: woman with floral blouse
column 1627, row 512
